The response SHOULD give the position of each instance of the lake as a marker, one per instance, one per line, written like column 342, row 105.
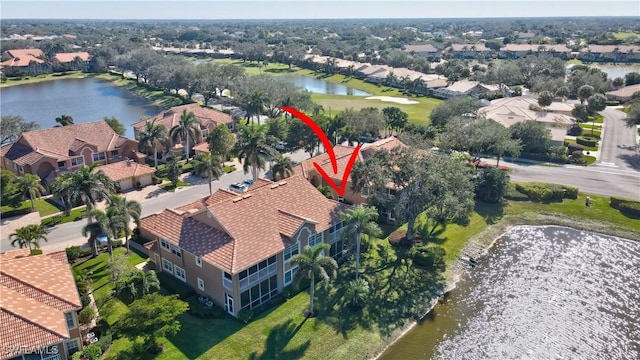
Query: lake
column 320, row 86
column 540, row 293
column 85, row 100
column 614, row 70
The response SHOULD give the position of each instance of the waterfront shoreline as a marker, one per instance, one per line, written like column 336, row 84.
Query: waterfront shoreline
column 498, row 230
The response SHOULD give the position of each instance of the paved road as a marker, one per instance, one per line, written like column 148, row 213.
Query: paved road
column 619, row 149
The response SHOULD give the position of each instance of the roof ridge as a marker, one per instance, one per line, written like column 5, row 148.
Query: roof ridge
column 42, row 326
column 296, row 216
column 36, row 288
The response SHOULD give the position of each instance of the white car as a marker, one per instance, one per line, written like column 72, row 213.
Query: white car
column 239, row 187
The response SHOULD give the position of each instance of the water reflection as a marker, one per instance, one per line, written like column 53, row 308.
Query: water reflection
column 320, row 86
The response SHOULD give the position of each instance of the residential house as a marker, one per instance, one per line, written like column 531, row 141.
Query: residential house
column 209, row 118
column 469, row 51
column 463, row 87
column 51, row 152
column 38, row 312
column 235, row 248
column 515, row 51
column 343, row 154
column 26, row 60
column 426, row 50
column 370, row 73
column 512, row 110
column 69, row 59
column 623, row 94
column 128, row 174
column 616, row 53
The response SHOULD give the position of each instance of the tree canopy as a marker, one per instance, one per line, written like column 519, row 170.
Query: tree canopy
column 12, row 126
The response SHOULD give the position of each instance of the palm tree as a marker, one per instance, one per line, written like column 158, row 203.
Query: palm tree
column 149, row 280
column 360, row 220
column 150, row 137
column 60, row 188
column 356, row 293
column 254, row 105
column 108, row 223
column 29, row 236
column 85, row 185
column 64, row 120
column 207, row 165
column 188, row 128
column 130, row 210
column 29, row 184
column 250, row 145
column 312, row 263
column 283, row 166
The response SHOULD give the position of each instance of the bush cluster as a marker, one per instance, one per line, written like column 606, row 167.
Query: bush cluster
column 587, row 141
column 630, row 208
column 429, row 257
column 245, row 315
column 544, row 192
column 175, row 286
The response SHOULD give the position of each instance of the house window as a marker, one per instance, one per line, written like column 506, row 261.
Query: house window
column 167, row 266
column 165, row 244
column 180, row 273
column 259, row 293
column 62, row 164
column 20, row 169
column 335, row 232
column 72, row 347
column 101, row 156
column 288, row 275
column 199, row 261
column 114, row 154
column 71, row 322
column 258, row 272
column 290, row 251
column 337, row 250
column 175, row 250
column 315, row 239
column 227, row 280
column 200, row 284
column 77, row 161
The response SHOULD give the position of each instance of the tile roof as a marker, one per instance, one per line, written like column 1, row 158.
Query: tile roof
column 469, row 47
column 342, row 153
column 56, row 142
column 202, row 147
column 420, row 48
column 170, row 118
column 611, row 48
column 69, row 57
column 625, row 91
column 387, row 144
column 36, row 292
column 535, row 47
column 25, row 52
column 124, row 169
column 251, row 224
column 22, row 57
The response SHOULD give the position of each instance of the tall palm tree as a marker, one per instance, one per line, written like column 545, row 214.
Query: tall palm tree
column 188, row 128
column 29, row 185
column 311, row 263
column 252, row 142
column 149, row 280
column 150, row 137
column 360, row 220
column 207, row 165
column 108, row 223
column 254, row 105
column 86, row 185
column 130, row 210
column 29, row 236
column 283, row 166
column 64, row 120
column 60, row 188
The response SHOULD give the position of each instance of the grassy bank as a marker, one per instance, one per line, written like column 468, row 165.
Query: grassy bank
column 253, row 68
column 399, row 291
column 159, row 97
column 44, row 77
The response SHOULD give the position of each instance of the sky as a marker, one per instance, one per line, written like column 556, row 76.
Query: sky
column 309, row 9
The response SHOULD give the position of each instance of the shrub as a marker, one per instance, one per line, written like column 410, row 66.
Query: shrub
column 245, row 315
column 156, row 180
column 630, row 208
column 396, row 238
column 430, row 257
column 357, row 293
column 105, row 341
column 576, row 157
column 92, row 352
column 587, row 141
column 613, row 102
column 571, row 147
column 175, row 286
column 541, row 191
column 575, row 130
column 570, row 192
column 86, row 315
column 36, row 252
column 73, row 252
column 515, row 195
column 16, row 212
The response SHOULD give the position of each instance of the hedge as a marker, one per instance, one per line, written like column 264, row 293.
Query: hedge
column 630, row 208
column 536, row 191
column 570, row 192
column 175, row 286
column 586, row 141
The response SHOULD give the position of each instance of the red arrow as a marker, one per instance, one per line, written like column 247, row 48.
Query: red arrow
column 329, row 147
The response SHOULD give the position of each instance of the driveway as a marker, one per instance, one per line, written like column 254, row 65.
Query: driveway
column 619, row 149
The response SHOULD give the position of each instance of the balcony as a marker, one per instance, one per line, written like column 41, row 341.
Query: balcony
column 259, row 275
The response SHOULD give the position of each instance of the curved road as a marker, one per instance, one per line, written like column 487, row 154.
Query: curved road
column 619, row 149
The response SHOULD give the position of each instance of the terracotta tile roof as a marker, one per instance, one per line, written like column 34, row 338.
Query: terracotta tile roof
column 170, row 118
column 260, row 183
column 202, row 147
column 124, row 169
column 218, row 196
column 252, row 223
column 35, row 291
column 152, row 246
column 69, row 57
column 611, row 48
column 22, row 57
column 387, row 144
column 56, row 142
column 342, row 153
column 469, row 47
column 535, row 47
column 25, row 52
column 420, row 48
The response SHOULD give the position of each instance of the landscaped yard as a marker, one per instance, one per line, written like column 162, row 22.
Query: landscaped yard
column 586, row 148
column 43, row 206
column 169, row 186
column 76, row 215
column 158, row 96
column 399, row 291
column 254, row 68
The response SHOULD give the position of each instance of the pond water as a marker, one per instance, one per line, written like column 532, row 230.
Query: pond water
column 540, row 293
column 614, row 70
column 85, row 100
column 320, row 86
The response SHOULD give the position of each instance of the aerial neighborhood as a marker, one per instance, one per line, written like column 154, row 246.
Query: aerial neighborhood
column 190, row 213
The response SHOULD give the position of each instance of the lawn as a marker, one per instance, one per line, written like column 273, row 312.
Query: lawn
column 159, row 97
column 586, row 148
column 76, row 215
column 12, row 81
column 623, row 35
column 253, row 68
column 171, row 188
column 399, row 292
column 43, row 206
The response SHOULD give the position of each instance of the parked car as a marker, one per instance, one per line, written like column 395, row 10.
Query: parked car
column 239, row 187
column 248, row 181
column 102, row 239
column 282, row 145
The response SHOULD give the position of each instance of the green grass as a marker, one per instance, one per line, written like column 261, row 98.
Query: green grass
column 169, row 187
column 253, row 68
column 598, row 119
column 625, row 110
column 13, row 81
column 43, row 206
column 229, row 168
column 76, row 215
column 625, row 35
column 159, row 97
column 573, row 141
column 590, row 159
column 574, row 61
column 586, row 130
